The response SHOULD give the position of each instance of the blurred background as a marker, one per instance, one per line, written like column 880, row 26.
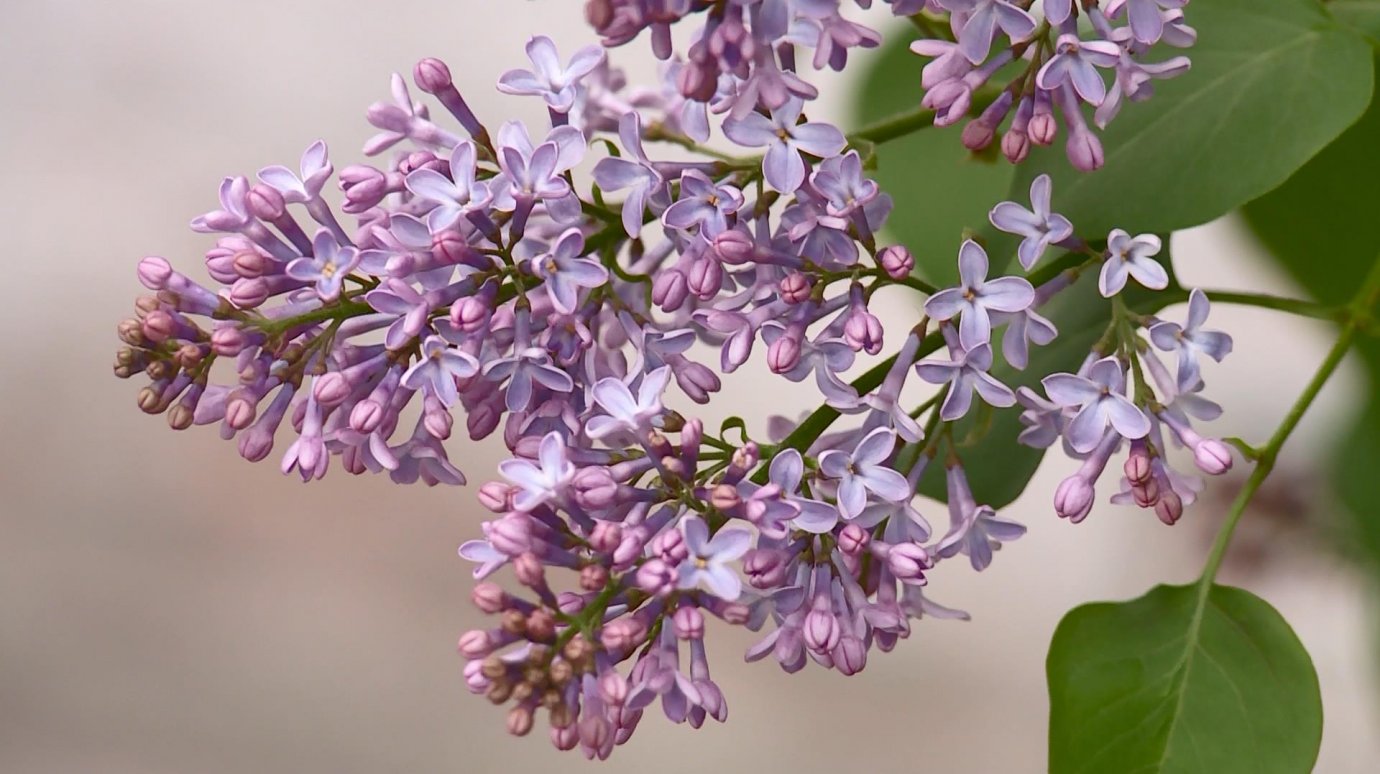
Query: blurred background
column 168, row 607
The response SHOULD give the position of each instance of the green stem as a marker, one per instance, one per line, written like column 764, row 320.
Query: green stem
column 913, row 121
column 1278, row 303
column 1355, row 314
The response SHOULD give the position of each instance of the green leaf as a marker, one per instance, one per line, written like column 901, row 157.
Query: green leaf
column 1321, row 228
column 938, row 186
column 1272, row 83
column 998, row 467
column 1172, row 682
column 1362, row 15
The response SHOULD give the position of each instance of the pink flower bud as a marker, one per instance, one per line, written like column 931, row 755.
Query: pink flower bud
column 158, row 326
column 475, row 643
column 593, row 577
column 896, row 261
column 606, row 536
column 853, row 540
column 1169, row 508
column 654, row 577
column 1043, row 128
column 469, row 314
column 795, row 288
column 734, row 247
column 512, row 534
column 331, row 389
column 1137, row 468
column 228, row 341
column 670, row 289
column 529, row 570
column 1084, row 150
column 978, row 135
column 483, row 420
column 519, row 722
column 765, row 567
column 1073, row 500
column 689, row 623
column 613, row 687
column 1212, row 456
column 697, row 381
column 248, row 293
column 432, row 75
column 496, row 496
column 1015, row 145
column 239, row 412
column 364, row 187
column 908, row 562
column 783, row 354
column 565, row 739
column 735, row 613
column 850, row 656
column 863, row 331
column 252, row 263
column 451, row 247
column 821, row 629
column 266, row 202
column 670, row 547
column 366, row 416
column 154, row 272
column 706, row 278
column 475, row 680
column 489, row 597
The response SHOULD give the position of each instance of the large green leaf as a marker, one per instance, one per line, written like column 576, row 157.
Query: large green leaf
column 1272, row 83
column 1321, row 227
column 998, row 468
column 1363, row 15
column 938, row 186
column 1170, row 682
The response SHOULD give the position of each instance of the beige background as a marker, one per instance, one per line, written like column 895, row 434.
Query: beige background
column 166, row 607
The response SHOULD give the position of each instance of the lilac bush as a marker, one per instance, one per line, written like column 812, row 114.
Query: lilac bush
column 568, row 313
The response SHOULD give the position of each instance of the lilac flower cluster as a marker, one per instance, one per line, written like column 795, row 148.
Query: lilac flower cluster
column 480, row 274
column 744, row 59
column 1054, row 67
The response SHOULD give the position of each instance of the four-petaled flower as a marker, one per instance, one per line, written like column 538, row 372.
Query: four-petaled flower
column 784, row 139
column 965, row 375
column 624, row 413
column 984, row 18
column 327, row 266
column 459, row 194
column 544, row 481
column 565, row 270
column 976, row 298
column 703, row 204
column 864, row 471
column 708, row 562
column 636, row 175
column 1039, row 226
column 438, row 368
column 547, row 78
column 1190, row 340
column 1100, row 400
column 315, row 167
column 1075, row 62
column 1129, row 256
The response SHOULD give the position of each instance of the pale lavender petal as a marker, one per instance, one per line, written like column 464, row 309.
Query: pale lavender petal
column 1070, row 390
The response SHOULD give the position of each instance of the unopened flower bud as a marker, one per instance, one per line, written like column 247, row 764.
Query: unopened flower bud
column 529, row 570
column 228, row 341
column 519, row 721
column 734, row 247
column 475, row 643
column 765, row 568
column 1212, row 457
column 489, row 597
column 654, row 577
column 850, row 655
column 908, row 562
column 689, row 623
column 496, row 496
column 783, row 354
column 432, row 75
column 1084, row 150
column 266, row 203
column 896, row 261
column 1073, row 500
column 853, row 540
column 154, row 272
column 795, row 288
column 593, row 577
column 1169, row 508
column 725, row 497
column 1015, row 145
